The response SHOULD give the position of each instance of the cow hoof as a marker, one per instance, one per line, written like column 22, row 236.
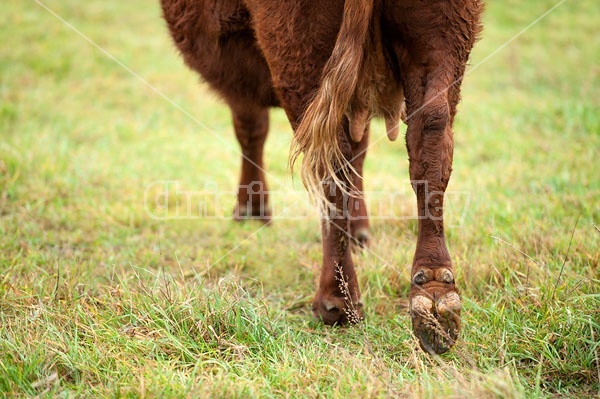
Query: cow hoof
column 335, row 311
column 242, row 212
column 361, row 237
column 436, row 320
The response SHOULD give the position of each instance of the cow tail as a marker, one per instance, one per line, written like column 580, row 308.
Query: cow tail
column 319, row 134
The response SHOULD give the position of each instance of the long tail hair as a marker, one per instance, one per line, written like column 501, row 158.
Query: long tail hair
column 320, row 131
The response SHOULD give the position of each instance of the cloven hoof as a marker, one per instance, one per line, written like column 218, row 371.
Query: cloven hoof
column 436, row 319
column 337, row 311
column 361, row 238
column 241, row 213
column 435, row 309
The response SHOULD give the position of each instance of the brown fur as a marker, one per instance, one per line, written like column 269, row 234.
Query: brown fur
column 333, row 65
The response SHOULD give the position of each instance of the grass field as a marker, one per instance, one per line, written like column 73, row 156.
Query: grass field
column 98, row 299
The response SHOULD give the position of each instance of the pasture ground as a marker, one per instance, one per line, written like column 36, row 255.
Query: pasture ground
column 98, row 299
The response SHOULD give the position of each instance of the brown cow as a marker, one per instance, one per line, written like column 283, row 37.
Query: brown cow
column 333, row 65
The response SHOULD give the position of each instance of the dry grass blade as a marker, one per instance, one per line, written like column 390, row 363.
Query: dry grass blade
column 562, row 268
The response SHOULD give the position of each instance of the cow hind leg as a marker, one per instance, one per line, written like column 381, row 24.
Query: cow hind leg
column 434, row 299
column 359, row 224
column 432, row 58
column 297, row 49
column 338, row 299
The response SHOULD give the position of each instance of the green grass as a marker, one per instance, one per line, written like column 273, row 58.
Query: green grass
column 97, row 299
